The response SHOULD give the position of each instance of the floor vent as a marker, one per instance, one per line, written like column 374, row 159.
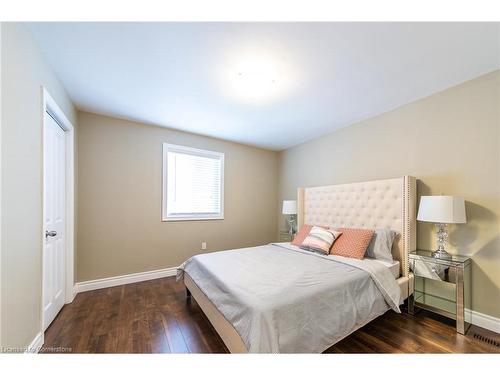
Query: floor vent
column 487, row 340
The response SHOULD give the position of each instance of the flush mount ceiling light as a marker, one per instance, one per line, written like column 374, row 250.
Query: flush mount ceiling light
column 257, row 78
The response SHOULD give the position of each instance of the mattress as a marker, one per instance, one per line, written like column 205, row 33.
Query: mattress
column 393, row 266
column 281, row 299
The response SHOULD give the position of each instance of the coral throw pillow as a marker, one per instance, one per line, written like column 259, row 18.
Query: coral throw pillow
column 301, row 235
column 352, row 243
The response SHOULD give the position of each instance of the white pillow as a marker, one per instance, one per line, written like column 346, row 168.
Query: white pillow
column 380, row 246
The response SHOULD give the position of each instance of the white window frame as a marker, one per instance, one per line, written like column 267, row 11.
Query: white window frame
column 194, row 151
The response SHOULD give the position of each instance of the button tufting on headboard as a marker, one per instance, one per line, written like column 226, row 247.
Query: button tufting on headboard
column 374, row 204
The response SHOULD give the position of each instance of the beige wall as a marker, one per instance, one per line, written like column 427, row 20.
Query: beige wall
column 450, row 142
column 23, row 73
column 119, row 193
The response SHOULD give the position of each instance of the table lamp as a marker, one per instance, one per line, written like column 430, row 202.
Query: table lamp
column 442, row 210
column 290, row 211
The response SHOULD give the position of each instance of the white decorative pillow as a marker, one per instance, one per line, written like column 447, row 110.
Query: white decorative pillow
column 380, row 246
column 320, row 240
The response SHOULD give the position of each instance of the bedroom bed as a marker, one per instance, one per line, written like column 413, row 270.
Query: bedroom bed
column 280, row 298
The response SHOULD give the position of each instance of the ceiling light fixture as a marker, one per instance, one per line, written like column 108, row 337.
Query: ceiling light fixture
column 257, row 78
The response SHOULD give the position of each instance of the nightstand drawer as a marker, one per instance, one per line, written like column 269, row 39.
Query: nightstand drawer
column 433, row 271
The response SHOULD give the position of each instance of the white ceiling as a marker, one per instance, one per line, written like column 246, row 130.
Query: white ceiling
column 328, row 75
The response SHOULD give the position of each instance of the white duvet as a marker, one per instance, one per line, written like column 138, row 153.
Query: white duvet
column 281, row 299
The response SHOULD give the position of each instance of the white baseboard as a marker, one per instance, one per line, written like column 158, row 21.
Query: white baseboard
column 71, row 297
column 484, row 321
column 85, row 286
column 36, row 344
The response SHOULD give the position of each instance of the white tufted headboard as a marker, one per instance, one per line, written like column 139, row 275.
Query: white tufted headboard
column 373, row 204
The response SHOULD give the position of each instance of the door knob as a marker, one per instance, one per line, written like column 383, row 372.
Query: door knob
column 52, row 233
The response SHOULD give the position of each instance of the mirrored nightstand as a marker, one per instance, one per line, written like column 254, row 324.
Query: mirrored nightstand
column 442, row 286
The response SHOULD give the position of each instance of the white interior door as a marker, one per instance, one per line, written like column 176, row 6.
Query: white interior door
column 54, row 208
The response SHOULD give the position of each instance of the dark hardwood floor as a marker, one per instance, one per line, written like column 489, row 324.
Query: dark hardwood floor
column 155, row 317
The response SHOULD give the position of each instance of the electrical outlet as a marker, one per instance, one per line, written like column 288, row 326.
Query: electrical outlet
column 203, row 245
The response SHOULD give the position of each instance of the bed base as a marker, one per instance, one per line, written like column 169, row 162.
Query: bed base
column 226, row 331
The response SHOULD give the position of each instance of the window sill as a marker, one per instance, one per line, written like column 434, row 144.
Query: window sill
column 192, row 218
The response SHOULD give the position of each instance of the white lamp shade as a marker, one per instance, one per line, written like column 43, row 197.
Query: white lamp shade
column 443, row 209
column 289, row 208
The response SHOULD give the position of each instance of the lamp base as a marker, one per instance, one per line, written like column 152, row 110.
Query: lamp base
column 442, row 237
column 291, row 222
column 441, row 254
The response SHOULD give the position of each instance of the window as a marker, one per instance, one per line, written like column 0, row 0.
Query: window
column 193, row 184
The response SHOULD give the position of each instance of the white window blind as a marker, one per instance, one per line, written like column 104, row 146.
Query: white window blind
column 193, row 183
